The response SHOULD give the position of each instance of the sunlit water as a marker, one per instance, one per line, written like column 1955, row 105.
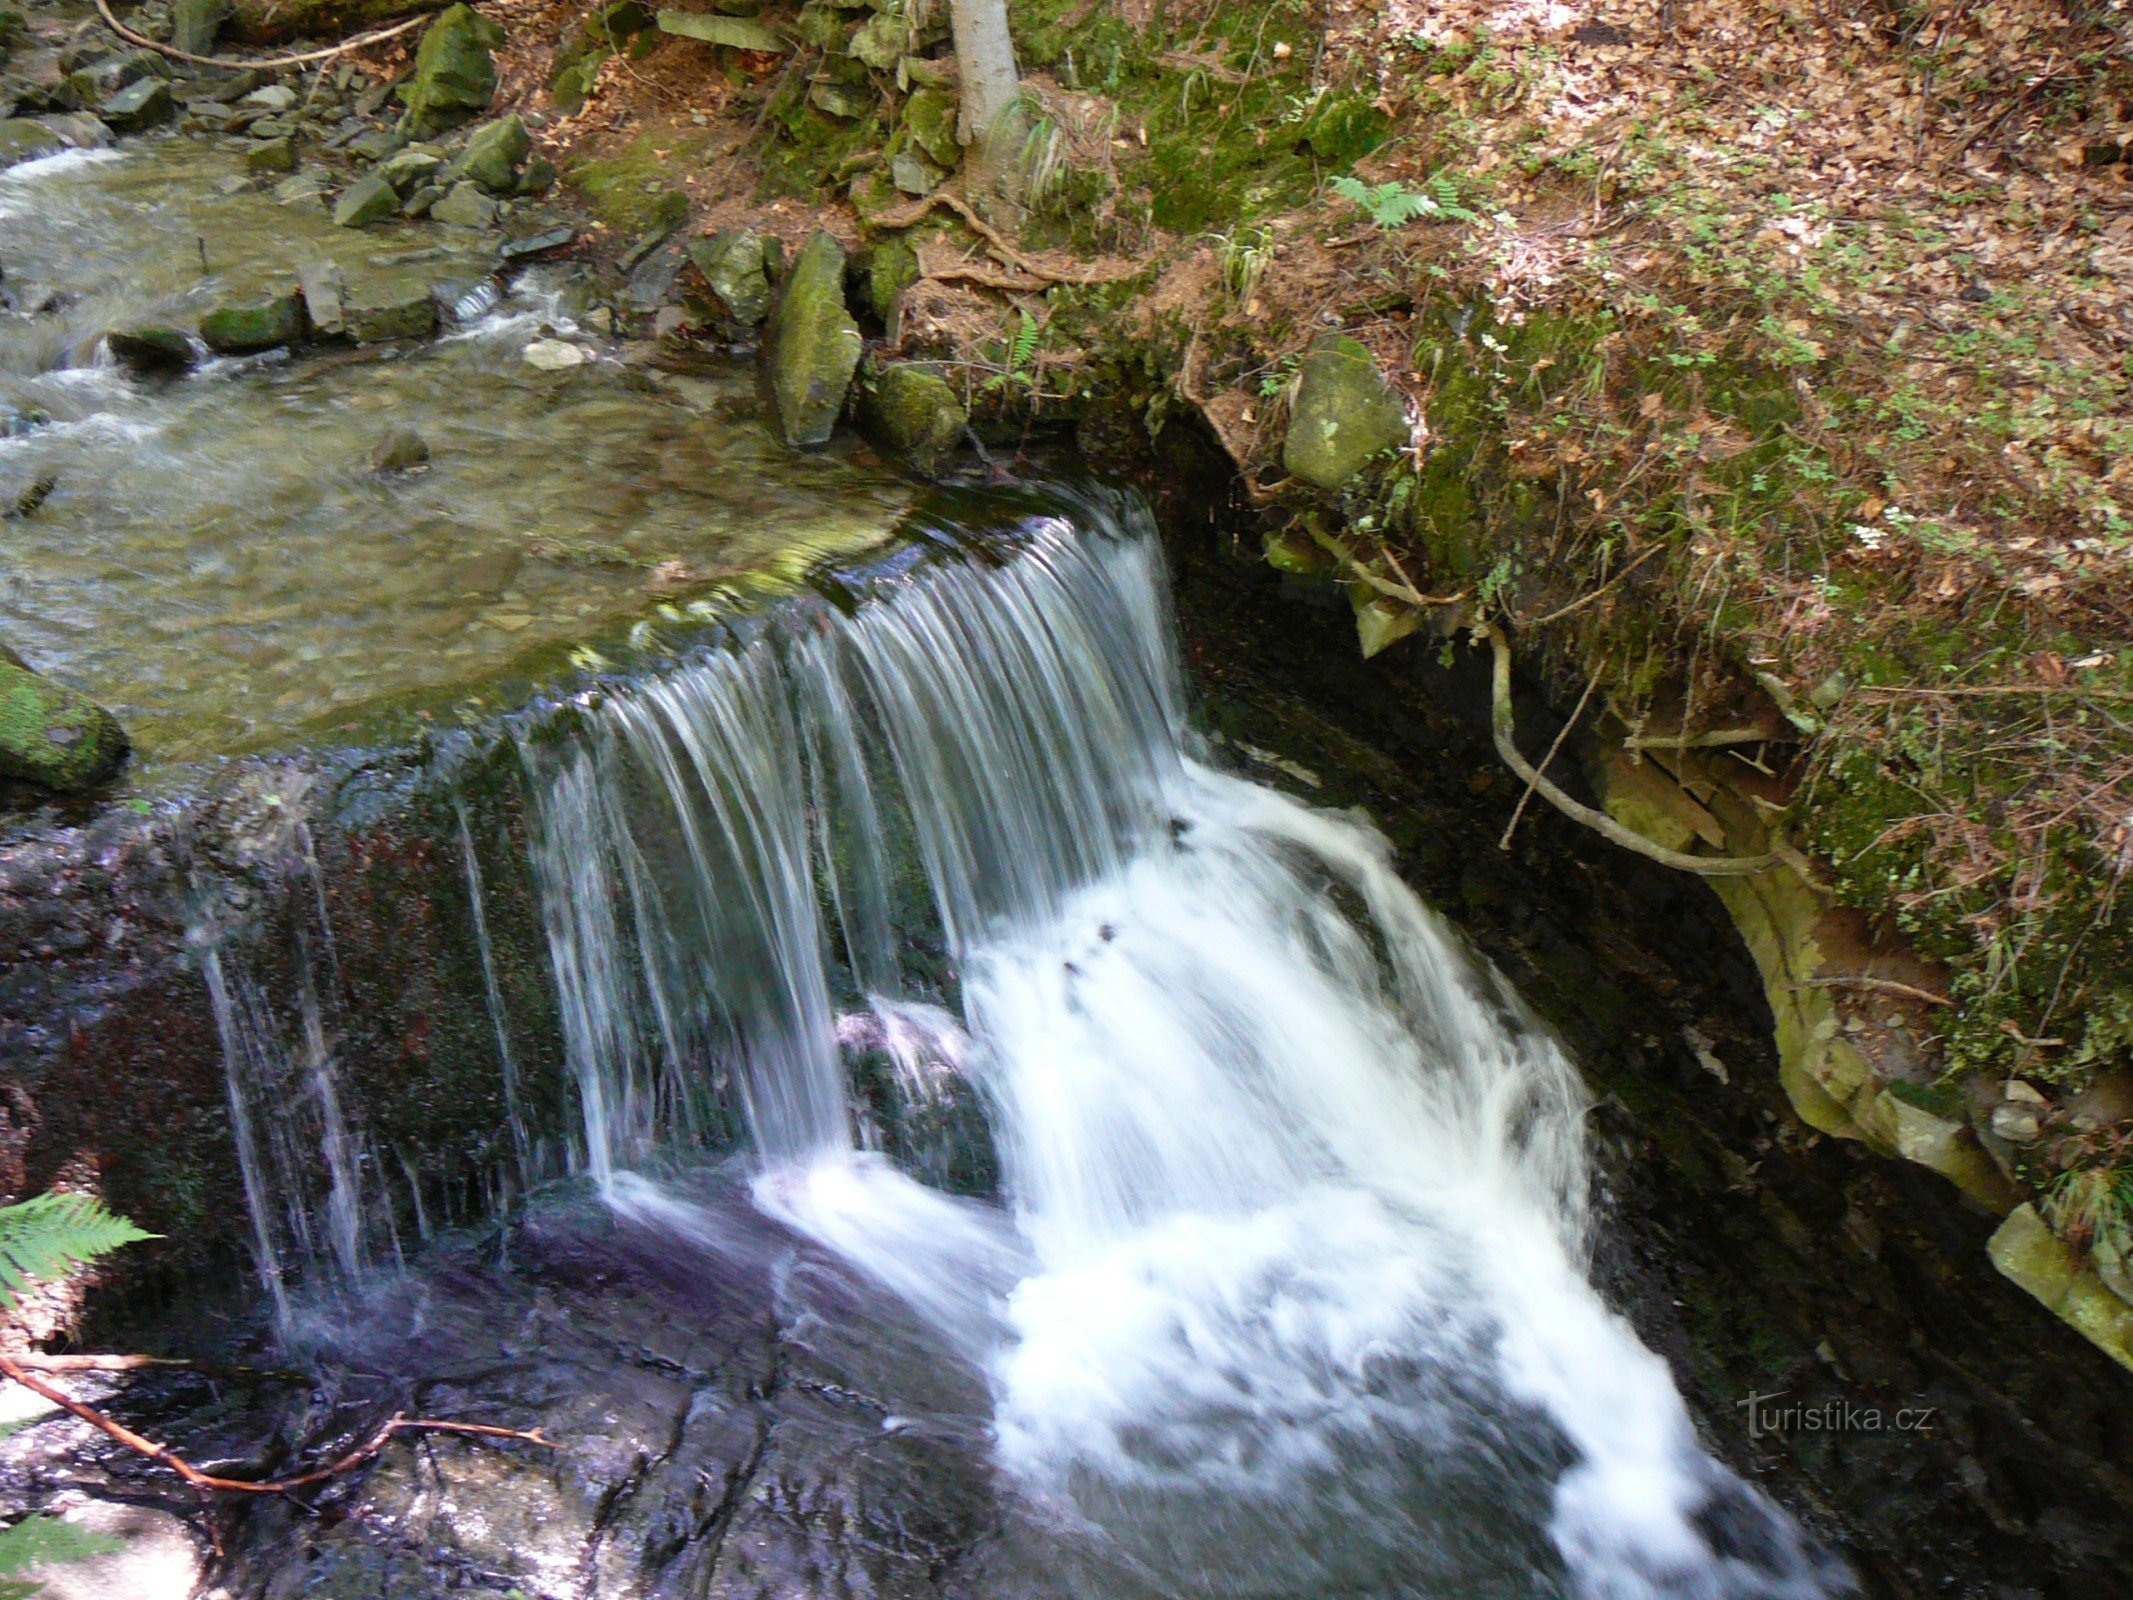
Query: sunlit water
column 215, row 559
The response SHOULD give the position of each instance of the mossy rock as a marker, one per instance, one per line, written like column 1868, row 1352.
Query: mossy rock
column 880, row 41
column 194, row 24
column 913, row 412
column 736, row 266
column 735, row 33
column 1344, row 128
column 369, row 199
column 603, row 31
column 24, row 140
column 892, row 267
column 1343, row 414
column 813, row 345
column 929, row 117
column 264, row 21
column 629, row 190
column 264, row 325
column 455, row 72
column 572, row 85
column 493, row 153
column 141, row 104
column 150, row 348
column 55, row 736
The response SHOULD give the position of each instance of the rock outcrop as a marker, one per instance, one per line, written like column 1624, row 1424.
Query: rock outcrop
column 812, row 345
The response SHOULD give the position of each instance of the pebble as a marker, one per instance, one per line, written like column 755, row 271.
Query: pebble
column 553, row 355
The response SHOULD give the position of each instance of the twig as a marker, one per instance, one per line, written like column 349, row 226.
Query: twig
column 1384, row 586
column 1561, row 612
column 360, row 41
column 1562, row 733
column 363, row 1452
column 1699, row 741
column 1956, row 690
column 1000, row 247
column 1881, row 985
column 1503, row 730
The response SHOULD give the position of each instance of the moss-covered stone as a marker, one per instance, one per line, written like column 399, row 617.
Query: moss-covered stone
column 263, row 21
column 913, row 412
column 735, row 33
column 55, row 736
column 370, row 199
column 1343, row 414
column 630, row 190
column 929, row 117
column 2028, row 1253
column 194, row 24
column 263, row 325
column 813, row 345
column 493, row 153
column 736, row 267
column 892, row 267
column 24, row 140
column 455, row 72
column 272, row 155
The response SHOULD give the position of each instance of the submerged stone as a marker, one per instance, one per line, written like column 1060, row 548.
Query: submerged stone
column 455, row 72
column 151, row 348
column 402, row 450
column 240, row 330
column 53, row 735
column 914, row 412
column 1344, row 413
column 813, row 344
column 24, row 140
column 410, row 315
column 367, row 201
column 493, row 154
column 736, row 267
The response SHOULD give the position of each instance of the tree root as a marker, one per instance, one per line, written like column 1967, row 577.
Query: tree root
column 1503, row 729
column 397, row 1424
column 360, row 41
column 918, row 211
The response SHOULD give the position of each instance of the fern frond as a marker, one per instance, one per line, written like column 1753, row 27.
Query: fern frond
column 41, row 1541
column 49, row 1235
column 1025, row 345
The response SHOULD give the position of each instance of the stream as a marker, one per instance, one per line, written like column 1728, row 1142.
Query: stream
column 995, row 1148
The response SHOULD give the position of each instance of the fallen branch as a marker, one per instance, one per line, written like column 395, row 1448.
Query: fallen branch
column 397, row 1424
column 359, row 42
column 1556, row 744
column 1715, row 738
column 1000, row 247
column 1503, row 729
column 1879, row 985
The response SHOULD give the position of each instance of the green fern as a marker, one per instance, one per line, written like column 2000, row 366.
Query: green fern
column 43, row 1541
column 1025, row 345
column 1393, row 205
column 47, row 1236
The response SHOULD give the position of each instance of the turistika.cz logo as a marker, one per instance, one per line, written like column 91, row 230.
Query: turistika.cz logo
column 1766, row 1416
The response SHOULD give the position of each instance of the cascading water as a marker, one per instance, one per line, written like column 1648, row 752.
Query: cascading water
column 1283, row 1293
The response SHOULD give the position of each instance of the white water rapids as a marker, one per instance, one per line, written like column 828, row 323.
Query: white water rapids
column 1284, row 1292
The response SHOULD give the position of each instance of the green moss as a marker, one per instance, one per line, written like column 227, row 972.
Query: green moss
column 632, row 191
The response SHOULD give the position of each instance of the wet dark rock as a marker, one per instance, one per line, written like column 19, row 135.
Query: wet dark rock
column 408, row 315
column 534, row 244
column 402, row 450
column 493, row 153
column 55, row 736
column 24, row 140
column 264, row 325
column 455, row 72
column 812, row 345
column 913, row 412
column 365, row 203
column 736, row 268
column 151, row 348
column 195, row 23
column 465, row 206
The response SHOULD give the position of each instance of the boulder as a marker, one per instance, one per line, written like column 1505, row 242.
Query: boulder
column 402, row 450
column 194, row 24
column 465, row 207
column 913, row 412
column 24, row 140
column 408, row 315
column 150, row 348
column 1343, row 414
column 735, row 33
column 272, row 155
column 53, row 735
column 736, row 267
column 455, row 72
column 264, row 325
column 812, row 345
column 493, row 153
column 370, row 199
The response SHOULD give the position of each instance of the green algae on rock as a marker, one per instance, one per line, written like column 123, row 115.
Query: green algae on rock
column 813, row 344
column 150, row 348
column 455, row 72
column 736, row 267
column 914, row 412
column 24, row 140
column 55, row 736
column 493, row 153
column 1343, row 414
column 241, row 330
column 369, row 199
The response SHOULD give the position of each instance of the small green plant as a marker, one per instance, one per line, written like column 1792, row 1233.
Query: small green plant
column 1394, row 205
column 45, row 1238
column 1020, row 352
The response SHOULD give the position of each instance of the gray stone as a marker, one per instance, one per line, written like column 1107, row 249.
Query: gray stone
column 402, row 450
column 423, row 201
column 55, row 736
column 375, row 145
column 265, row 325
column 735, row 33
column 274, row 155
column 465, row 207
column 736, row 268
column 493, row 154
column 408, row 169
column 325, row 292
column 534, row 244
column 411, row 315
column 812, row 344
column 274, row 97
column 1343, row 414
column 141, row 104
column 367, row 201
column 150, row 348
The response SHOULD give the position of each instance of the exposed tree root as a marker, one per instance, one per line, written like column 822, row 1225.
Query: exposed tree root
column 921, row 209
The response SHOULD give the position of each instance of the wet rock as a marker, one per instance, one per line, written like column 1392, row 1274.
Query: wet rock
column 914, row 412
column 402, row 450
column 455, row 72
column 554, row 355
column 366, row 202
column 272, row 155
column 2028, row 1253
column 465, row 206
column 194, row 24
column 533, row 244
column 81, row 130
column 812, row 345
column 1343, row 414
column 265, row 325
column 493, row 154
column 324, row 292
column 150, row 349
column 736, row 267
column 24, row 140
column 55, row 736
column 410, row 315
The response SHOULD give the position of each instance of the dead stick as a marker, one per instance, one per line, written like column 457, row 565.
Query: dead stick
column 1883, row 985
column 1562, row 733
column 201, row 1480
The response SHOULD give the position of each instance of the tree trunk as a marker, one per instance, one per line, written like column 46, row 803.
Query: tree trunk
column 985, row 61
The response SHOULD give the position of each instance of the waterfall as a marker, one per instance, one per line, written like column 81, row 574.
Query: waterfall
column 1284, row 1291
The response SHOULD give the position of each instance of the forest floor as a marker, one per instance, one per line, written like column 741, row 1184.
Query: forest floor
column 1788, row 346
